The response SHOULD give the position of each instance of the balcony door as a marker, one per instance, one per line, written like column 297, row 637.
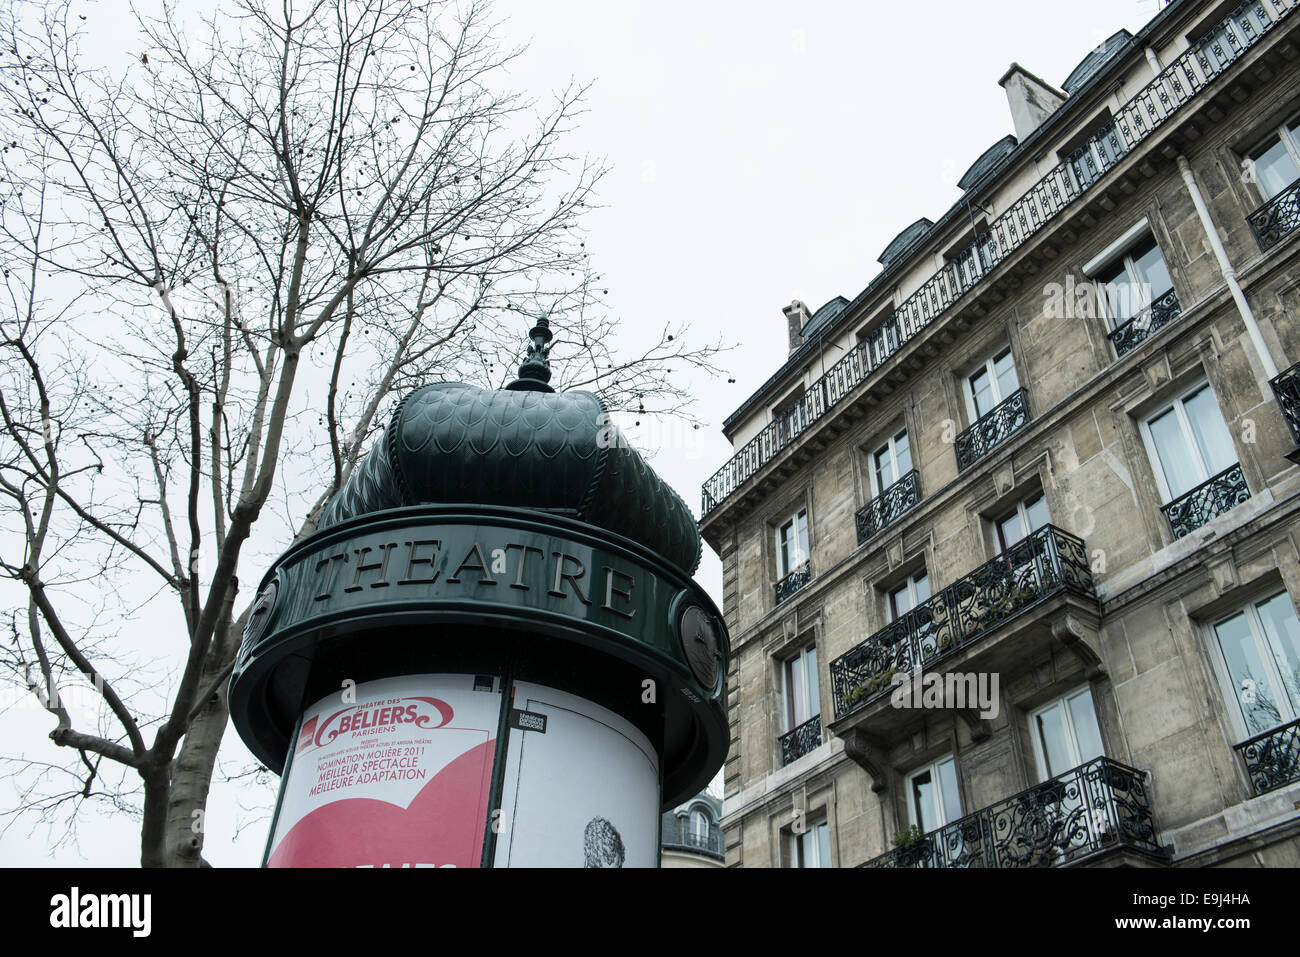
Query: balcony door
column 1129, row 285
column 1029, row 515
column 991, row 384
column 801, row 692
column 1065, row 734
column 812, row 847
column 792, row 543
column 890, row 462
column 1258, row 658
column 933, row 798
column 1275, row 164
column 1188, row 442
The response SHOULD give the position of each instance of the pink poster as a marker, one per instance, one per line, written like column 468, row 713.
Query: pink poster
column 391, row 773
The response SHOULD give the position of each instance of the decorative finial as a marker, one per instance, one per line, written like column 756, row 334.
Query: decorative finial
column 535, row 370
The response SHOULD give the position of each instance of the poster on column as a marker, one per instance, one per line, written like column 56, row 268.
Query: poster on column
column 391, row 773
column 581, row 786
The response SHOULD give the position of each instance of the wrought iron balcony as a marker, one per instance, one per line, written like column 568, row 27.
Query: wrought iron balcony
column 989, row 431
column 710, row 843
column 887, row 507
column 1062, row 185
column 1287, row 389
column 1160, row 313
column 792, row 582
column 1272, row 759
column 1276, row 219
column 1036, row 567
column 1098, row 806
column 800, row 740
column 1207, row 501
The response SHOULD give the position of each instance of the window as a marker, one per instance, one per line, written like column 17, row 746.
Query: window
column 1029, row 515
column 1188, row 442
column 1065, row 734
column 890, row 462
column 699, row 825
column 799, row 688
column 1257, row 656
column 933, row 799
column 792, row 543
column 908, row 595
column 812, row 848
column 1132, row 282
column 991, row 384
column 1275, row 164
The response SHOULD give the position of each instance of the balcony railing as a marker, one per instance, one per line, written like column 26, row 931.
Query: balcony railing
column 1098, row 806
column 1046, row 562
column 1272, row 759
column 712, row 843
column 1132, row 123
column 1287, row 389
column 1160, row 313
column 792, row 582
column 1276, row 219
column 1207, row 501
column 887, row 507
column 800, row 740
column 991, row 430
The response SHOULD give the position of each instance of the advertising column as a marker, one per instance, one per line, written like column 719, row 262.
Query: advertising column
column 391, row 773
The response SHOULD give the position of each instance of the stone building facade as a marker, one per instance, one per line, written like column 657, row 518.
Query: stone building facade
column 1051, row 450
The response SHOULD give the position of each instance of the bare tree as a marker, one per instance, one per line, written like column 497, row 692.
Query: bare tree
column 223, row 266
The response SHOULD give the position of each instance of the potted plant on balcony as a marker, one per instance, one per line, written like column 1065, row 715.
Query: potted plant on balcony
column 905, row 837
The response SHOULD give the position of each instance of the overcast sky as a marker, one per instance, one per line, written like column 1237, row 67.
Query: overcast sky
column 761, row 152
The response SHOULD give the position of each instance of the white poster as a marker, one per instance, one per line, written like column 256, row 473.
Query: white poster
column 581, row 786
column 391, row 773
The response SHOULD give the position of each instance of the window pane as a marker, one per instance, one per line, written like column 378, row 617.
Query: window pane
column 900, row 601
column 1283, row 630
column 1211, row 434
column 1181, row 471
column 1005, row 367
column 823, row 844
column 1036, row 513
column 981, row 387
column 903, row 450
column 922, row 587
column 1274, row 169
column 1051, row 735
column 1152, row 273
column 810, row 674
column 948, row 789
column 798, row 704
column 884, row 470
column 1246, row 672
column 923, row 801
column 1086, row 733
column 1114, row 282
column 1010, row 530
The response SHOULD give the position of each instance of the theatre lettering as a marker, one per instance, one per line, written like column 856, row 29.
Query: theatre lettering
column 420, row 562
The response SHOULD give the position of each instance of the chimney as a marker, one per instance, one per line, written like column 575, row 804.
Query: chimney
column 796, row 317
column 1032, row 100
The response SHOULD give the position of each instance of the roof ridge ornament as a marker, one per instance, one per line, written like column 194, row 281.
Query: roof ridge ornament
column 535, row 370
